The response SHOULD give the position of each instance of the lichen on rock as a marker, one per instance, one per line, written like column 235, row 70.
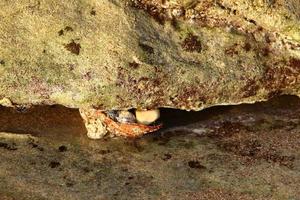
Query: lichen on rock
column 121, row 54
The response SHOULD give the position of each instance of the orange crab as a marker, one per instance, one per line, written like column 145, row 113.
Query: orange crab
column 98, row 123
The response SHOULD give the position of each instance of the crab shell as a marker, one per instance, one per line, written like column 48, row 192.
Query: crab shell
column 130, row 130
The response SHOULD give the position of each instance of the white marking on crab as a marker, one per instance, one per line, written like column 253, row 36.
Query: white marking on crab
column 125, row 116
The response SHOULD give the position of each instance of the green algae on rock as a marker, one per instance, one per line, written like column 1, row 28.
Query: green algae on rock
column 120, row 54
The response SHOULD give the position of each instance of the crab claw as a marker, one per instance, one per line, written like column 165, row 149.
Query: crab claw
column 130, row 130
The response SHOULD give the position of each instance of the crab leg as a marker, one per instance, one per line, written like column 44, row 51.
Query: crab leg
column 130, row 130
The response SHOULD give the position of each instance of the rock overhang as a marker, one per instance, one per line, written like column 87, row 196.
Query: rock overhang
column 148, row 54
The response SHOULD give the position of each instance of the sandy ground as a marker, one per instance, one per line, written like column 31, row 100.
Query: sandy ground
column 233, row 152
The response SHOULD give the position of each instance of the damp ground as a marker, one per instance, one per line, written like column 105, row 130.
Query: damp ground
column 232, row 152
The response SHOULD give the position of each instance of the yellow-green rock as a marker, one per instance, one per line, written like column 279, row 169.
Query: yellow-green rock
column 113, row 54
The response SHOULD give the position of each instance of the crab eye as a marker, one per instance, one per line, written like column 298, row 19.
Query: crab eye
column 112, row 114
column 147, row 116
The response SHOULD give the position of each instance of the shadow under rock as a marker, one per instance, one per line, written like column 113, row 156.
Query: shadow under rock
column 57, row 120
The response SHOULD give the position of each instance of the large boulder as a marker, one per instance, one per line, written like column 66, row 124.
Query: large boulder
column 121, row 54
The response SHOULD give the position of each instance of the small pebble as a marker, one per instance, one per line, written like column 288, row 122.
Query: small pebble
column 147, row 116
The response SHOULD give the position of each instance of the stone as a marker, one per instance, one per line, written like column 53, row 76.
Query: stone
column 94, row 125
column 147, row 116
column 148, row 54
column 237, row 152
column 122, row 54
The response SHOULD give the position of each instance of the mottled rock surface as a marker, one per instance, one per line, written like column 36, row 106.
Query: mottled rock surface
column 119, row 54
column 238, row 152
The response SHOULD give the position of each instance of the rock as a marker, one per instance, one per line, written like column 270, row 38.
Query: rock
column 237, row 152
column 94, row 125
column 147, row 54
column 147, row 116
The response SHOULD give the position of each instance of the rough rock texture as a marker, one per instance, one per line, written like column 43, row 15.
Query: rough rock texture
column 248, row 152
column 114, row 54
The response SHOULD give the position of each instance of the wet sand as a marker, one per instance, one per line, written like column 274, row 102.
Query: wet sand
column 231, row 152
